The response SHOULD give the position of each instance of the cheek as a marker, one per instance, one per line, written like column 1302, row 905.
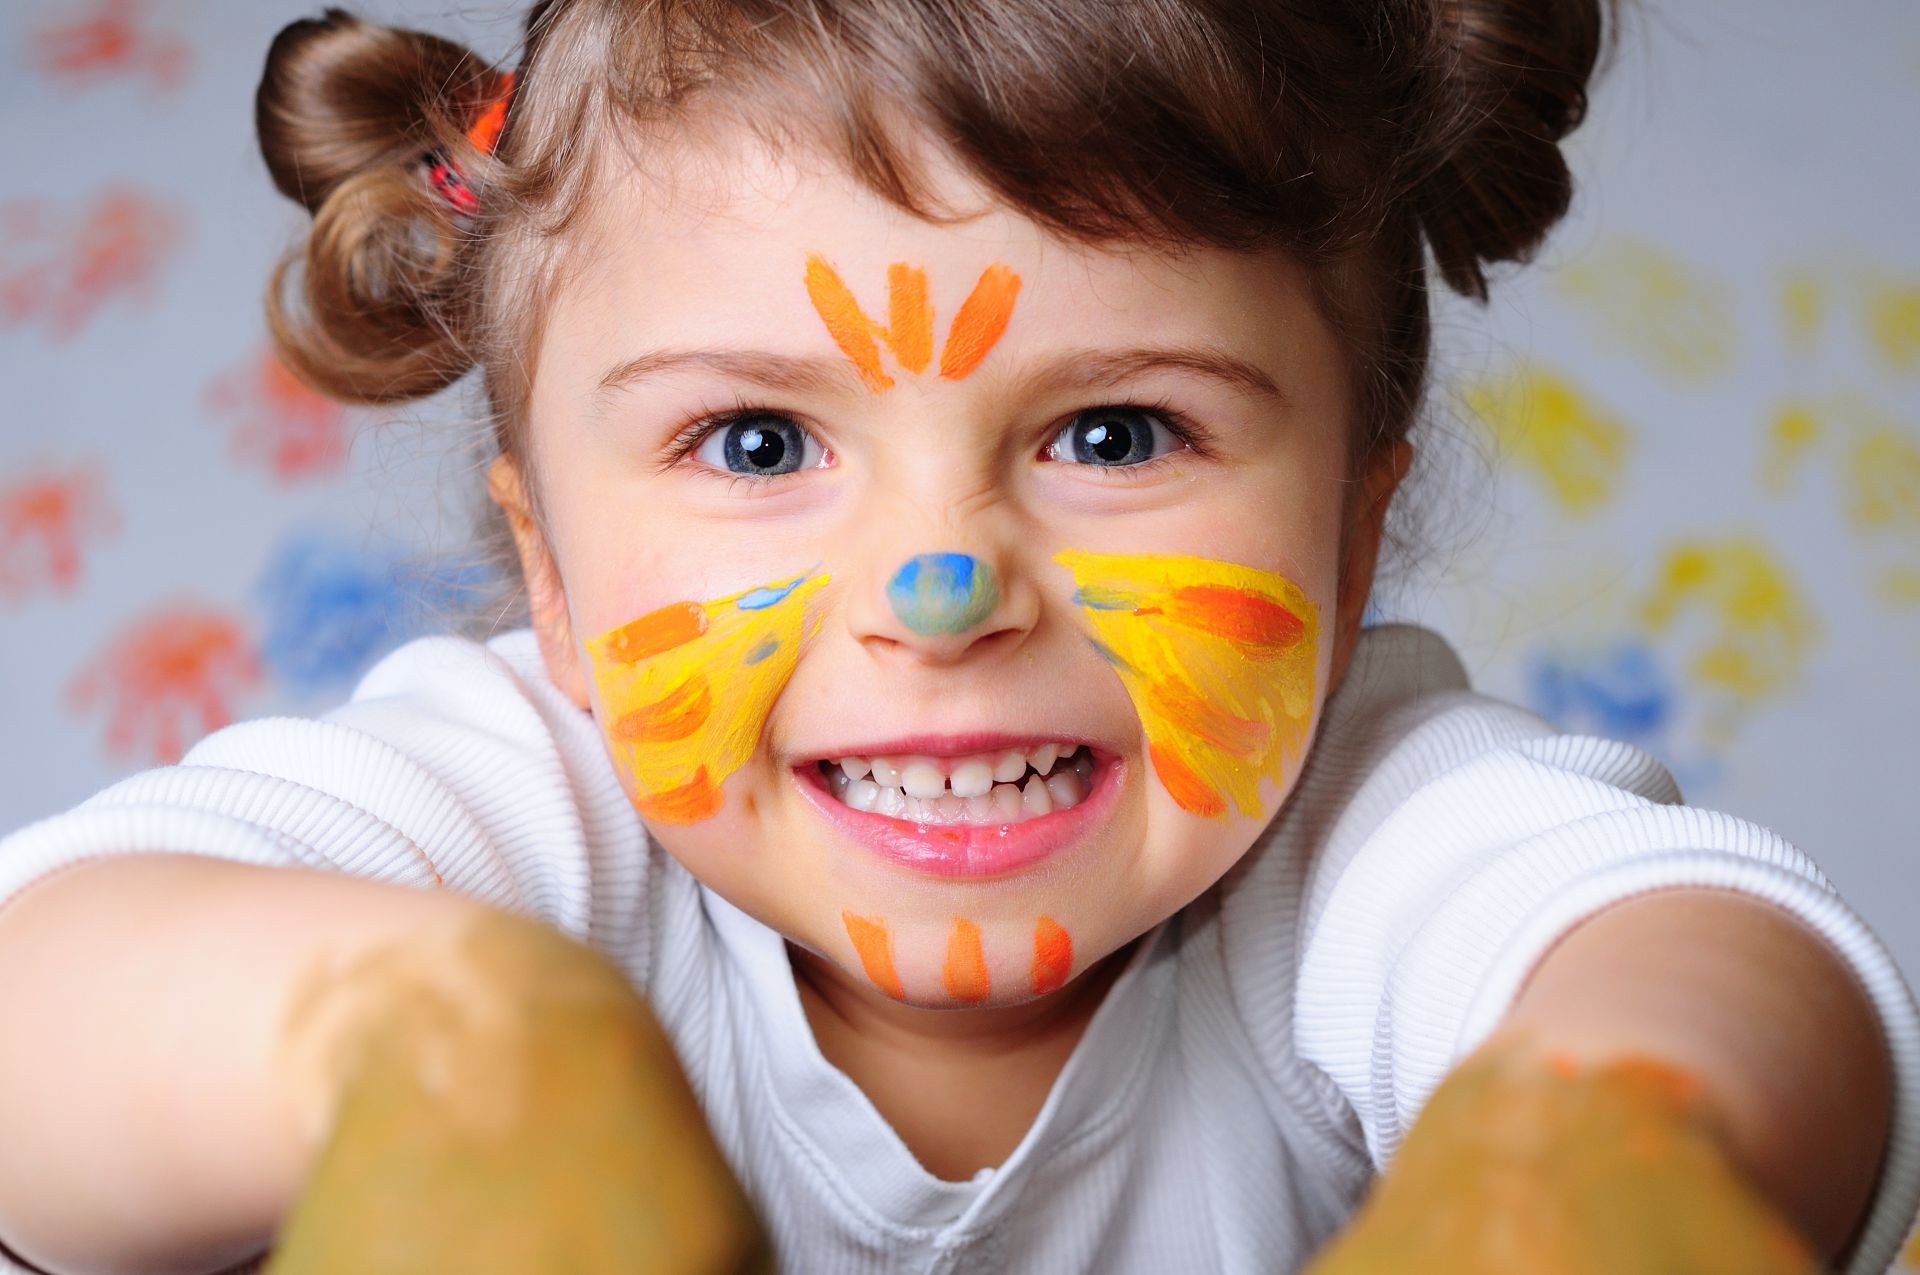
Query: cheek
column 683, row 692
column 1221, row 663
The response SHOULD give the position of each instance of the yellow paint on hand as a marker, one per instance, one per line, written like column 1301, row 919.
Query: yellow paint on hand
column 685, row 690
column 1759, row 629
column 1893, row 322
column 1675, row 317
column 1545, row 422
column 1519, row 1163
column 1219, row 660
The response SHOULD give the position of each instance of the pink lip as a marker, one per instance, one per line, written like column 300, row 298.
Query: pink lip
column 971, row 851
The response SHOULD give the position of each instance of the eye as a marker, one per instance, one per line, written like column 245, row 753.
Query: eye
column 1113, row 437
column 760, row 445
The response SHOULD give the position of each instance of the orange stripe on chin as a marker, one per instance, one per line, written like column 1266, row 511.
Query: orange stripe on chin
column 1052, row 955
column 965, row 973
column 875, row 948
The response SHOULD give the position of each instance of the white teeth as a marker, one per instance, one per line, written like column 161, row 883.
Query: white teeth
column 1009, row 767
column 884, row 774
column 979, row 809
column 861, row 794
column 949, row 808
column 1067, row 789
column 856, row 767
column 972, row 778
column 893, row 803
column 1034, row 798
column 1006, row 800
column 1043, row 757
column 922, row 778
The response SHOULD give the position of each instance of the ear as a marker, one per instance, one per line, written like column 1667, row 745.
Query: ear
column 546, row 599
column 1367, row 518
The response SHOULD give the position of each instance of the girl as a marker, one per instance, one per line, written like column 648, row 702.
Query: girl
column 946, row 446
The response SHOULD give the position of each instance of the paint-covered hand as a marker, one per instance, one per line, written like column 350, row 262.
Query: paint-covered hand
column 509, row 1105
column 1524, row 1164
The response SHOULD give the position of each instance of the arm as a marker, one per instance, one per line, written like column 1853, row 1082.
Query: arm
column 151, row 1122
column 1745, row 997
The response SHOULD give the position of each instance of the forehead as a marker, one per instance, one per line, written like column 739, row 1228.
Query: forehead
column 706, row 241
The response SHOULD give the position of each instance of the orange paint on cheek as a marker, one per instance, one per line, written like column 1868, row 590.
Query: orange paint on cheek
column 1183, row 707
column 1052, row 955
column 983, row 317
column 875, row 948
column 1188, row 790
column 1245, row 619
column 656, row 631
column 684, row 711
column 697, row 799
column 964, row 974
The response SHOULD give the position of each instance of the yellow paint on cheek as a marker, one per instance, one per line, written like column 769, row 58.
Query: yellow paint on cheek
column 1219, row 660
column 685, row 691
column 1545, row 423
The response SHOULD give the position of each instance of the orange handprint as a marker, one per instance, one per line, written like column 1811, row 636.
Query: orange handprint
column 176, row 664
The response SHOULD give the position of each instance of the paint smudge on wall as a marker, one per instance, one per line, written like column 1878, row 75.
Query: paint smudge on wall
column 943, row 592
column 1219, row 660
column 1803, row 307
column 280, row 425
column 1883, row 481
column 331, row 605
column 1550, row 426
column 964, row 973
column 1619, row 691
column 1900, row 587
column 1891, row 314
column 874, row 946
column 1792, row 431
column 46, row 521
column 977, row 326
column 1675, row 317
column 168, row 677
column 63, row 270
column 1754, row 628
column 117, row 40
column 685, row 690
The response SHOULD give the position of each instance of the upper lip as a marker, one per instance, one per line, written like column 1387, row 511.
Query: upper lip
column 954, row 744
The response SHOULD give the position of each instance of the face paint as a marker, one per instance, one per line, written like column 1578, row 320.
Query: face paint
column 964, row 974
column 875, row 948
column 943, row 592
column 1218, row 660
column 686, row 690
column 908, row 332
column 1052, row 955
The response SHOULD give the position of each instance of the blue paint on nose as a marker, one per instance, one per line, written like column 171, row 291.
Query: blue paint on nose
column 943, row 592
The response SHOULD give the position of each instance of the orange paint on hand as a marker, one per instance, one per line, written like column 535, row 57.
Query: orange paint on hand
column 909, row 316
column 983, row 317
column 1243, row 618
column 1190, row 792
column 875, row 947
column 656, row 631
column 964, row 974
column 697, row 799
column 683, row 711
column 1052, row 955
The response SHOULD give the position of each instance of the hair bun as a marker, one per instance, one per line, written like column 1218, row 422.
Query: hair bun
column 1511, row 83
column 345, row 112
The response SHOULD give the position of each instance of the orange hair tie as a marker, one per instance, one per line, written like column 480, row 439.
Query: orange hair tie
column 444, row 172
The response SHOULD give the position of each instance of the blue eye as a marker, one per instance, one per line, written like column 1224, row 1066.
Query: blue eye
column 761, row 445
column 1112, row 437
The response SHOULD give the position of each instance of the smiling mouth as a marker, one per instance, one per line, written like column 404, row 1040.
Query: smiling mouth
column 1010, row 786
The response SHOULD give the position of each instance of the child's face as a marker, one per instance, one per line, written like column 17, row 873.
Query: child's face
column 977, row 537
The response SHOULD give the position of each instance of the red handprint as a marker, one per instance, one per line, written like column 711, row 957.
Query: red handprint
column 44, row 520
column 284, row 426
column 66, row 274
column 176, row 664
column 111, row 41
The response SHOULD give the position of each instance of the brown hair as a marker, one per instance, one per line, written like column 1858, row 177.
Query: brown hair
column 1358, row 135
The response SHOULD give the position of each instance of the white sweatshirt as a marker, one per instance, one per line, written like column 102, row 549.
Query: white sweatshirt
column 1259, row 1060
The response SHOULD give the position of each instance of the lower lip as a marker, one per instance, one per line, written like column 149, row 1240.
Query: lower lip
column 967, row 850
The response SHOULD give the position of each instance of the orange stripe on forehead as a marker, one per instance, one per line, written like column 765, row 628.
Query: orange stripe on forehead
column 909, row 316
column 846, row 322
column 656, row 631
column 982, row 318
column 1243, row 618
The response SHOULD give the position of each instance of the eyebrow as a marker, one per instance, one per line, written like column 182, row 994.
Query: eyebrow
column 830, row 374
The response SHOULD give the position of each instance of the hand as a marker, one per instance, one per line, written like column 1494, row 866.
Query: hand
column 508, row 1105
column 1522, row 1163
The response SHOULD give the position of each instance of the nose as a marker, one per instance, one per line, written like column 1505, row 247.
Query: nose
column 940, row 607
